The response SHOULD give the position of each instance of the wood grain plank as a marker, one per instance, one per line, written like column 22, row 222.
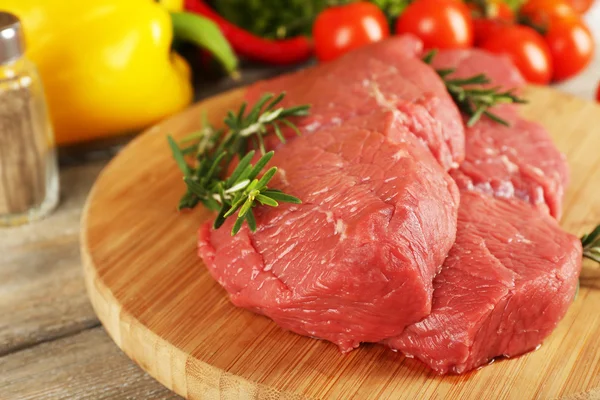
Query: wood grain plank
column 165, row 311
column 42, row 295
column 83, row 366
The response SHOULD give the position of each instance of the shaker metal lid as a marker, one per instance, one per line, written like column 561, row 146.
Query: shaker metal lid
column 12, row 43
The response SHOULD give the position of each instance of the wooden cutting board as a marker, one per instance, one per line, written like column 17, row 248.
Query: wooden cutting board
column 161, row 306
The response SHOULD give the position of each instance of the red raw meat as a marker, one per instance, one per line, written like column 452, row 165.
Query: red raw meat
column 386, row 75
column 469, row 62
column 355, row 261
column 507, row 282
column 517, row 161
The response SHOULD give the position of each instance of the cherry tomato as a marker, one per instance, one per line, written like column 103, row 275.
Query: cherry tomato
column 598, row 94
column 571, row 47
column 542, row 12
column 439, row 24
column 340, row 29
column 581, row 6
column 527, row 49
column 499, row 10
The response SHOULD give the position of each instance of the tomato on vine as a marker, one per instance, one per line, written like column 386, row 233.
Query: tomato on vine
column 441, row 24
column 339, row 29
column 542, row 12
column 526, row 48
column 571, row 47
column 581, row 6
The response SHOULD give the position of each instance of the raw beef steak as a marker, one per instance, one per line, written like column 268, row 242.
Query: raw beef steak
column 507, row 282
column 386, row 75
column 517, row 161
column 355, row 261
column 466, row 63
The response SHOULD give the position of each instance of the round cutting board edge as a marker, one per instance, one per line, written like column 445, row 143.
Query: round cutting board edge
column 171, row 364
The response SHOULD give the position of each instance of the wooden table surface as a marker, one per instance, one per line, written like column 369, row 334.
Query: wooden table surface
column 52, row 346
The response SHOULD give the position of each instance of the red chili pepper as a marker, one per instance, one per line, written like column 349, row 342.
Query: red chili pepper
column 248, row 45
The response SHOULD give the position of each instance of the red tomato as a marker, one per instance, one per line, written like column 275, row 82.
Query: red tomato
column 500, row 10
column 486, row 28
column 581, row 6
column 571, row 47
column 441, row 24
column 527, row 49
column 340, row 29
column 542, row 12
column 598, row 94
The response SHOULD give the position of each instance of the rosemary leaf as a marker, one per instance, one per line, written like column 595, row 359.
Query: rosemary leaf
column 275, row 101
column 237, row 226
column 591, row 244
column 470, row 97
column 251, row 221
column 495, row 118
column 179, row 157
column 278, row 132
column 292, row 126
column 242, row 110
column 280, row 196
column 262, row 183
column 266, row 201
column 428, row 58
column 260, row 165
column 247, row 205
column 237, row 172
column 214, row 152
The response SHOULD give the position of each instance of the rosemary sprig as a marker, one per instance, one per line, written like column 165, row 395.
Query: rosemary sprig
column 591, row 244
column 213, row 152
column 471, row 98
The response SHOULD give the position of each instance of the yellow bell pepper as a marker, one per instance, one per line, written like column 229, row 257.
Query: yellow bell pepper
column 107, row 65
column 172, row 5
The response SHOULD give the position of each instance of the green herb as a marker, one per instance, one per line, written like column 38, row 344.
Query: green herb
column 272, row 18
column 484, row 6
column 591, row 249
column 214, row 150
column 473, row 99
column 591, row 244
column 392, row 8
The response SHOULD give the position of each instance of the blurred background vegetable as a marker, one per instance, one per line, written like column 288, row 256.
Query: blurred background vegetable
column 271, row 18
column 581, row 6
column 277, row 20
column 571, row 46
column 442, row 24
column 558, row 47
column 254, row 47
column 117, row 72
column 526, row 48
column 340, row 29
column 107, row 67
column 392, row 8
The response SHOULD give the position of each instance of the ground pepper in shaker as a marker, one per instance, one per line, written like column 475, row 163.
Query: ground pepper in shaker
column 28, row 167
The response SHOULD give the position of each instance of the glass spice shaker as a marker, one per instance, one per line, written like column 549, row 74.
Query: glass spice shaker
column 28, row 166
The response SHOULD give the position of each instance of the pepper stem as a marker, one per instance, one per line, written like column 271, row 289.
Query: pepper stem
column 206, row 34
